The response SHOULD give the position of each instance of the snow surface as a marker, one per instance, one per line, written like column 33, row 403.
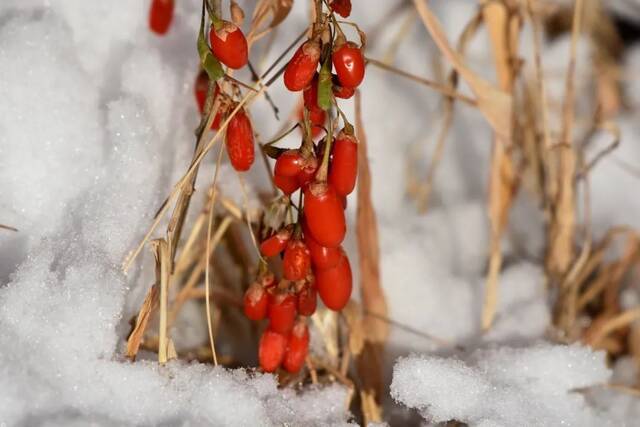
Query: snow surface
column 96, row 124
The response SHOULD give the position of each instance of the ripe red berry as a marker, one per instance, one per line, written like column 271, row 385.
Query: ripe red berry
column 341, row 7
column 302, row 66
column 271, row 350
column 288, row 164
column 310, row 95
column 240, row 141
column 349, row 64
column 229, row 45
column 256, row 302
column 324, row 214
column 307, row 300
column 160, row 16
column 286, row 184
column 297, row 348
column 344, row 164
column 340, row 91
column 297, row 261
column 200, row 89
column 275, row 244
column 317, row 119
column 282, row 312
column 335, row 284
column 322, row 257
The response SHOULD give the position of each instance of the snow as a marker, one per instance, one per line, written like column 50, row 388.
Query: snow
column 505, row 386
column 96, row 125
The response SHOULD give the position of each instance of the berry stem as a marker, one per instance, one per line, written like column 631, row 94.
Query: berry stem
column 323, row 170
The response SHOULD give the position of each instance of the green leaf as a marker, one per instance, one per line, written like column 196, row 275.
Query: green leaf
column 209, row 62
column 325, row 96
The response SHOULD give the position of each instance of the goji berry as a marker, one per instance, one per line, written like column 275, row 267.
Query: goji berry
column 256, row 302
column 334, row 284
column 229, row 45
column 324, row 214
column 239, row 141
column 343, row 170
column 297, row 348
column 282, row 312
column 302, row 67
column 349, row 64
column 271, row 350
column 160, row 16
column 275, row 244
column 297, row 261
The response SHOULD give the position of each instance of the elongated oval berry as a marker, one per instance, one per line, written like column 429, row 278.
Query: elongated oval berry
column 297, row 261
column 286, row 184
column 240, row 142
column 160, row 16
column 271, row 350
column 302, row 66
column 310, row 95
column 324, row 214
column 340, row 91
column 275, row 244
column 201, row 88
column 307, row 300
column 256, row 302
column 322, row 257
column 288, row 164
column 343, row 170
column 349, row 64
column 229, row 45
column 282, row 312
column 341, row 7
column 335, row 284
column 297, row 348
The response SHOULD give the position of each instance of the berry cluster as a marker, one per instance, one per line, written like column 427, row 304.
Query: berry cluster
column 326, row 67
column 313, row 261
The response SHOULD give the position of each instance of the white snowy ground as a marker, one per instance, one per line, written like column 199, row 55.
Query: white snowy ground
column 96, row 120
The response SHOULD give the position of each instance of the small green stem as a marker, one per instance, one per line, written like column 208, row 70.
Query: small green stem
column 323, row 170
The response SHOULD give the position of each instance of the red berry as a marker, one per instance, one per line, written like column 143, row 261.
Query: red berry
column 317, row 119
column 286, row 184
column 240, row 142
column 349, row 64
column 340, row 91
column 334, row 284
column 341, row 7
column 322, row 257
column 256, row 302
column 308, row 171
column 297, row 261
column 229, row 45
column 201, row 88
column 307, row 300
column 302, row 66
column 275, row 244
column 297, row 348
column 282, row 312
column 288, row 164
column 324, row 214
column 160, row 16
column 271, row 351
column 344, row 164
column 310, row 95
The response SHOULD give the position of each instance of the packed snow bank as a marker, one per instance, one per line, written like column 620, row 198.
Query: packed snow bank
column 504, row 386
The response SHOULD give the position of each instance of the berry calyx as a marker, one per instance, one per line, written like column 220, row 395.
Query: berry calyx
column 271, row 350
column 324, row 214
column 335, row 284
column 275, row 244
column 297, row 261
column 348, row 61
column 239, row 141
column 343, row 170
column 297, row 348
column 160, row 16
column 302, row 67
column 229, row 45
column 282, row 312
column 255, row 302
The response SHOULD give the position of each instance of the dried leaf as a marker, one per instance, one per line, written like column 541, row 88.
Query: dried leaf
column 142, row 320
column 495, row 104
